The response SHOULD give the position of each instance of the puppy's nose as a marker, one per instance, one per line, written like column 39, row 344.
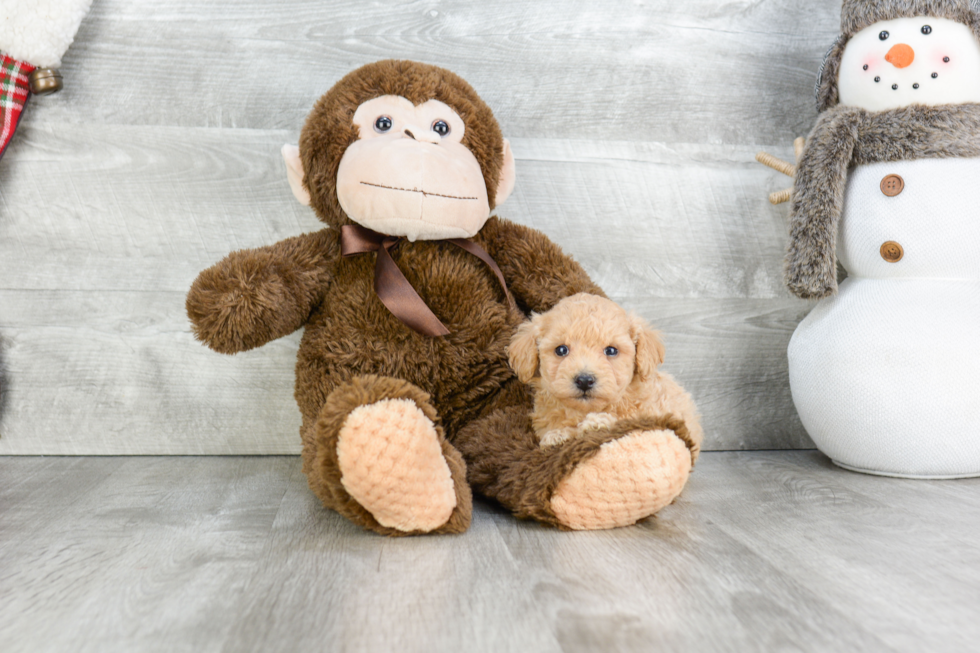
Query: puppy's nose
column 584, row 381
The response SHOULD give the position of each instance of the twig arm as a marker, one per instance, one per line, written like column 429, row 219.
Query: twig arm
column 784, row 167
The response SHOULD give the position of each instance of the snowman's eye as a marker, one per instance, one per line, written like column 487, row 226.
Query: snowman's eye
column 926, row 29
column 884, row 36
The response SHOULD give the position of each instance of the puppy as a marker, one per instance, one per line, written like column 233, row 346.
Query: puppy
column 591, row 364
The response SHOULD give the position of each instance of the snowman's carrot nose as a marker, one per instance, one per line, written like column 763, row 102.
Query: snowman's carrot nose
column 900, row 56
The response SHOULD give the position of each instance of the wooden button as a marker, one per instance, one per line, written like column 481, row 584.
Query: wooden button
column 892, row 252
column 892, row 185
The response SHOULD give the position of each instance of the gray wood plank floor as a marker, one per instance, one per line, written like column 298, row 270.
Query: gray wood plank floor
column 764, row 551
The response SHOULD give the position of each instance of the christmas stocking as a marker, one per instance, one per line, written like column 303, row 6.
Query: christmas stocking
column 33, row 37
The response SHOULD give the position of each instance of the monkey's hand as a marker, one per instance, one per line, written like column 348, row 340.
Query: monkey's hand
column 255, row 296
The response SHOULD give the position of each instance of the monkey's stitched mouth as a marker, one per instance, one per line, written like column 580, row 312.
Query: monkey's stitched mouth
column 416, row 190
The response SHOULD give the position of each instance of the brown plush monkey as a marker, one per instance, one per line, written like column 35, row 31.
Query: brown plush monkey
column 409, row 300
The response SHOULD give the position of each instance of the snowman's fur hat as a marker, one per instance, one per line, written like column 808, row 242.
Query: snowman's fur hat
column 857, row 14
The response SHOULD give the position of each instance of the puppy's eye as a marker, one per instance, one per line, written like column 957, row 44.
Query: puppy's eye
column 884, row 36
column 440, row 127
column 611, row 351
column 382, row 124
column 561, row 350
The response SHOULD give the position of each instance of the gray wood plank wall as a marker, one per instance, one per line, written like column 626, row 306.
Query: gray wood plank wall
column 634, row 125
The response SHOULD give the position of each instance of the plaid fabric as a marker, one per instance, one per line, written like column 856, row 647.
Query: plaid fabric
column 14, row 92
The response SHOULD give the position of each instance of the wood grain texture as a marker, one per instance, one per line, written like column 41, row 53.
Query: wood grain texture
column 764, row 551
column 95, row 372
column 698, row 71
column 848, row 529
column 634, row 124
column 102, row 551
column 132, row 208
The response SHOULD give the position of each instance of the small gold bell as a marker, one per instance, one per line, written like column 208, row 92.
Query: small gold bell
column 45, row 81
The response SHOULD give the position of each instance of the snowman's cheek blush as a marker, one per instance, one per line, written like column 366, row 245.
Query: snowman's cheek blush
column 872, row 63
column 864, row 72
column 940, row 58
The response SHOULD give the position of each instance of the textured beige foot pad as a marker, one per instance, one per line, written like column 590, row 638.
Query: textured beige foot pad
column 392, row 464
column 628, row 479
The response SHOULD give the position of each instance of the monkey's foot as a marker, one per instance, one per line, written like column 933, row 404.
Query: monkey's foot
column 628, row 479
column 391, row 462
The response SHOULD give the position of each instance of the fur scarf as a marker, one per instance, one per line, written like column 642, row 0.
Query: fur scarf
column 848, row 136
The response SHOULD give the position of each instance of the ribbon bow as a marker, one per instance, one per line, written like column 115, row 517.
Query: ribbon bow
column 393, row 289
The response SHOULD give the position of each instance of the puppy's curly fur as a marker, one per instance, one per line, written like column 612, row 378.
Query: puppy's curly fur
column 592, row 365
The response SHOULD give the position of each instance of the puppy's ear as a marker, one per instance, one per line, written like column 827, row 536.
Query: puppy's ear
column 649, row 347
column 523, row 351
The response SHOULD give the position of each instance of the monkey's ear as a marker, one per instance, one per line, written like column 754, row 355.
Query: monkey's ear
column 649, row 347
column 294, row 173
column 523, row 351
column 508, row 175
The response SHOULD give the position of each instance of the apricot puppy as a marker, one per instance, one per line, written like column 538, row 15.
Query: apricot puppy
column 592, row 364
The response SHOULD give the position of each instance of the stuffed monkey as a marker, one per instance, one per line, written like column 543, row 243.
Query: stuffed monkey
column 409, row 299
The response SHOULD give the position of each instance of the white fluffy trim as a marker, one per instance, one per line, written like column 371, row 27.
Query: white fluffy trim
column 40, row 31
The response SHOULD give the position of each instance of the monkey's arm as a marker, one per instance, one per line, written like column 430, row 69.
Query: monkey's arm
column 818, row 200
column 254, row 296
column 538, row 273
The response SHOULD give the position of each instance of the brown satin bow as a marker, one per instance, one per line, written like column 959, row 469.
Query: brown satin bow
column 393, row 289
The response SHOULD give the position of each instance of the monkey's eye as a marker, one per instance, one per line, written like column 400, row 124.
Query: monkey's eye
column 382, row 124
column 440, row 127
column 611, row 351
column 561, row 351
column 884, row 36
column 926, row 29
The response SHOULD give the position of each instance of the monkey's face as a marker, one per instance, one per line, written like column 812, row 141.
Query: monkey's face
column 403, row 148
column 409, row 174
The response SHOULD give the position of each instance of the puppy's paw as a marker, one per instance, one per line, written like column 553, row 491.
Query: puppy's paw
column 628, row 479
column 556, row 436
column 597, row 422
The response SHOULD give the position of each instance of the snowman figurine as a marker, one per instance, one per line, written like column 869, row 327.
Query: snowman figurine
column 885, row 371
